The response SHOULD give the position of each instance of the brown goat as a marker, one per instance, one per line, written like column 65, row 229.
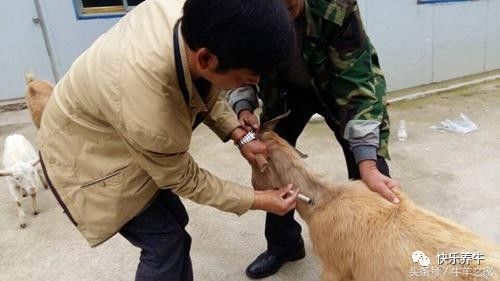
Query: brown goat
column 37, row 95
column 359, row 236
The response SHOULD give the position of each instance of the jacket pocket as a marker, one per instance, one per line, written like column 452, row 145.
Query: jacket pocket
column 102, row 180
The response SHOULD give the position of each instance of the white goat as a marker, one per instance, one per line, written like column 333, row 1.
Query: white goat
column 23, row 175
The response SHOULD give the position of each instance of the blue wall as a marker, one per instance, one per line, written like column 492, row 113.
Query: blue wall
column 424, row 43
column 417, row 43
column 70, row 36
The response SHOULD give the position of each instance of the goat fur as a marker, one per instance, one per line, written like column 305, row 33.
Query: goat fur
column 22, row 173
column 38, row 93
column 357, row 234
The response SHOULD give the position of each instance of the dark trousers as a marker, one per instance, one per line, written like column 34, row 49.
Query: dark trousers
column 283, row 233
column 165, row 244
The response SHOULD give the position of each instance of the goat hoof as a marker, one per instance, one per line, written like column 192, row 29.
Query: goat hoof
column 36, row 213
column 22, row 225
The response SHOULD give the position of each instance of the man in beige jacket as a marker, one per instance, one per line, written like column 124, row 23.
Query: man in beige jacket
column 115, row 134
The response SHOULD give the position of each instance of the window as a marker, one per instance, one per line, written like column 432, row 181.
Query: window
column 441, row 1
column 86, row 9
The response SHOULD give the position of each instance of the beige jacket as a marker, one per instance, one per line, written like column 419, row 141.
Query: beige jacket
column 117, row 127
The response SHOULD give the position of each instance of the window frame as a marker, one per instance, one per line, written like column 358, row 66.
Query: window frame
column 83, row 13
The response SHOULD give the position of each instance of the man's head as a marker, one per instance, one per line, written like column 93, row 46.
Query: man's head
column 233, row 41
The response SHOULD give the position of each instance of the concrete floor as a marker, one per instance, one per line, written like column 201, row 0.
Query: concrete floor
column 450, row 174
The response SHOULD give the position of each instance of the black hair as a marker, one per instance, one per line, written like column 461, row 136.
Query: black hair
column 254, row 34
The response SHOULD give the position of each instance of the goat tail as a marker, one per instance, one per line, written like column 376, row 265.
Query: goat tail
column 29, row 77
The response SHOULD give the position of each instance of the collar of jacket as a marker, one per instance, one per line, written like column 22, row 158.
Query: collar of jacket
column 195, row 100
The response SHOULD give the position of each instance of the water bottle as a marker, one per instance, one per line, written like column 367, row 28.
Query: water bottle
column 402, row 134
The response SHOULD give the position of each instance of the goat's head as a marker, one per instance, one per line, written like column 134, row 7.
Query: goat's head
column 282, row 157
column 24, row 175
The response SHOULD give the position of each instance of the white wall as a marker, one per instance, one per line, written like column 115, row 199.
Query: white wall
column 68, row 35
column 22, row 47
column 492, row 55
column 417, row 44
column 421, row 44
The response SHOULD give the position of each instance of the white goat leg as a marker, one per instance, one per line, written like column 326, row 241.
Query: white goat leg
column 15, row 192
column 34, row 204
column 21, row 215
column 42, row 179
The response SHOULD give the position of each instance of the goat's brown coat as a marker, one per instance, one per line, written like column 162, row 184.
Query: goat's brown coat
column 38, row 93
column 360, row 236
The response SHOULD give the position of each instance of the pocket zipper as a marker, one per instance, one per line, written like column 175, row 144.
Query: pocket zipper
column 103, row 178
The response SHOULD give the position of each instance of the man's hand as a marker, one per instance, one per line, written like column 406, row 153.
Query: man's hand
column 248, row 120
column 377, row 182
column 279, row 201
column 251, row 149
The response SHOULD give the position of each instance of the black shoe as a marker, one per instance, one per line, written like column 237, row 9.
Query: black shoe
column 267, row 264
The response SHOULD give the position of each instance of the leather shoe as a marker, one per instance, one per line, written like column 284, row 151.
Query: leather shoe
column 267, row 264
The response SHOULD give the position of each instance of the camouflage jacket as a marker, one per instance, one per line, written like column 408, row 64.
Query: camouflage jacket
column 345, row 74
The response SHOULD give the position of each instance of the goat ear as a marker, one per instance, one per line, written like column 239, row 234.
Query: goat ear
column 4, row 173
column 271, row 124
column 34, row 162
column 261, row 162
column 29, row 77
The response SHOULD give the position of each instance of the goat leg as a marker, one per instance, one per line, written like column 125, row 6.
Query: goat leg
column 34, row 204
column 16, row 193
column 42, row 178
column 21, row 215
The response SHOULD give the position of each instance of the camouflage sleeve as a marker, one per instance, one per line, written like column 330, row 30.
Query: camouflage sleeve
column 356, row 79
column 243, row 98
column 360, row 90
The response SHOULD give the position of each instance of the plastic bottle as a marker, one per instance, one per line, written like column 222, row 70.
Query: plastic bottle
column 402, row 134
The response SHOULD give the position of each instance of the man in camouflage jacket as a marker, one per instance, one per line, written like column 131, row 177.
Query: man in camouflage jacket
column 334, row 72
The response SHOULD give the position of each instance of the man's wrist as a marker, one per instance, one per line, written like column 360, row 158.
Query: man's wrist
column 243, row 111
column 257, row 201
column 367, row 166
column 248, row 137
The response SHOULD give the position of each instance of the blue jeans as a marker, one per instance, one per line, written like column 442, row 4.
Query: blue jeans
column 160, row 233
